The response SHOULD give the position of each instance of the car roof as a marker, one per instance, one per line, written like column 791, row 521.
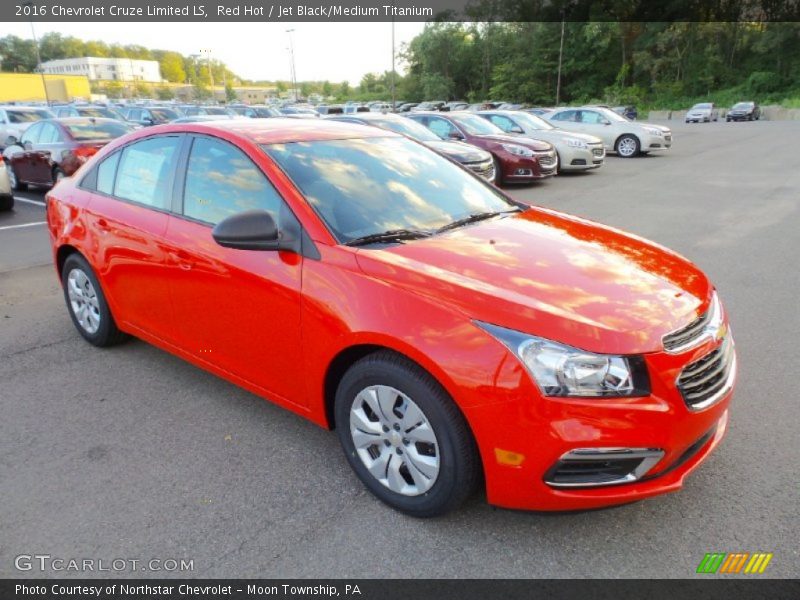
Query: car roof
column 281, row 130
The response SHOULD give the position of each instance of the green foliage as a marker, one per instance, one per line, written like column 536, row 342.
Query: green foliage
column 164, row 93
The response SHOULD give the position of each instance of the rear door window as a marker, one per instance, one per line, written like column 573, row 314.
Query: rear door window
column 146, row 171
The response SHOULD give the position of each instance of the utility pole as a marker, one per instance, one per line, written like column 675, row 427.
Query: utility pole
column 394, row 106
column 291, row 57
column 29, row 3
column 560, row 57
column 207, row 52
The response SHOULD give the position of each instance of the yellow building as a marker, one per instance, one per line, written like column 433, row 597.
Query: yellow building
column 28, row 87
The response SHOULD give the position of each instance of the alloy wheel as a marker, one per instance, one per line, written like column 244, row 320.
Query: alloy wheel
column 83, row 301
column 394, row 439
column 627, row 147
column 12, row 178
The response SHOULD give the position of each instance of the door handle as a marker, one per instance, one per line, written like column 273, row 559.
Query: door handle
column 103, row 225
column 180, row 258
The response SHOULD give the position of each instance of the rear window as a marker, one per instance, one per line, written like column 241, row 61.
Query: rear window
column 97, row 130
column 98, row 112
column 27, row 116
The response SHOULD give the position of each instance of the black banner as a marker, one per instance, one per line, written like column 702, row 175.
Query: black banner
column 739, row 587
column 399, row 10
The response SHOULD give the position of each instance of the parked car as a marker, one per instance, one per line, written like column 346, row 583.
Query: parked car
column 14, row 120
column 629, row 112
column 299, row 111
column 704, row 112
column 473, row 158
column 425, row 106
column 87, row 110
column 55, row 148
column 516, row 160
column 331, row 109
column 452, row 337
column 194, row 110
column 626, row 138
column 407, row 107
column 744, row 111
column 576, row 151
column 6, row 194
column 380, row 107
column 453, row 106
column 351, row 109
column 204, row 118
column 538, row 111
column 150, row 115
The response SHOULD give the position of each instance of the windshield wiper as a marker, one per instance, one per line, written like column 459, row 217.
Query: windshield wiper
column 393, row 235
column 474, row 217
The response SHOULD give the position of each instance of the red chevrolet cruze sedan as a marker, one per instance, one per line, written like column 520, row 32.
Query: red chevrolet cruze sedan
column 452, row 336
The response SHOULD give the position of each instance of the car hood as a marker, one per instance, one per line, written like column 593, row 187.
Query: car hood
column 520, row 140
column 459, row 151
column 551, row 275
column 560, row 135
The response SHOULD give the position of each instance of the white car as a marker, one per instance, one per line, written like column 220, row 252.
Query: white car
column 705, row 112
column 14, row 120
column 625, row 137
column 6, row 195
column 576, row 151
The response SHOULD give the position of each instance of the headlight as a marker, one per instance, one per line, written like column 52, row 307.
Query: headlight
column 576, row 143
column 564, row 371
column 654, row 131
column 518, row 150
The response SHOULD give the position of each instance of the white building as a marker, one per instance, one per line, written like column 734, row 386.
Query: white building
column 106, row 69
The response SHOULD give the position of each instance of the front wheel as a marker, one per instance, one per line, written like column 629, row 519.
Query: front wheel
column 16, row 184
column 628, row 146
column 87, row 304
column 498, row 171
column 404, row 436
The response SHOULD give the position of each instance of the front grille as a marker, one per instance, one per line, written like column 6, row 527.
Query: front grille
column 707, row 379
column 484, row 168
column 687, row 336
column 547, row 159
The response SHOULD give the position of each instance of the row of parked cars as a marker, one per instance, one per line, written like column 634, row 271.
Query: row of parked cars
column 504, row 146
column 705, row 112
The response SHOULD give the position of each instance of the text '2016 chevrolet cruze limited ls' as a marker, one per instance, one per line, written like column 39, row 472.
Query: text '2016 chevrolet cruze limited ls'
column 453, row 337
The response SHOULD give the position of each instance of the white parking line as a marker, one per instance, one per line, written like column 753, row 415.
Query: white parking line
column 23, row 225
column 29, row 201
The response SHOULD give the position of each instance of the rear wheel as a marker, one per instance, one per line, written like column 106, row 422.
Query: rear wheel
column 58, row 175
column 6, row 202
column 404, row 436
column 16, row 184
column 628, row 146
column 87, row 304
column 498, row 171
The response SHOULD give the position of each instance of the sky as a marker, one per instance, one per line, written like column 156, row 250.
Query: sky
column 259, row 51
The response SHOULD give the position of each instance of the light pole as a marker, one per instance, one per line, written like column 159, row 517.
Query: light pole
column 560, row 57
column 394, row 106
column 291, row 57
column 29, row 3
column 207, row 52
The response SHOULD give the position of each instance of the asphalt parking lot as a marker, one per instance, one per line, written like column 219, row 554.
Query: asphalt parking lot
column 132, row 453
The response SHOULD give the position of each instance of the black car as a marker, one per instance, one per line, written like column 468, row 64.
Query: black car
column 744, row 111
column 150, row 115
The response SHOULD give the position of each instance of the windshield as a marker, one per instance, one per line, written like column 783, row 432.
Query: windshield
column 28, row 116
column 703, row 105
column 475, row 125
column 211, row 110
column 407, row 127
column 530, row 121
column 266, row 112
column 367, row 186
column 96, row 130
column 99, row 112
column 161, row 115
column 743, row 106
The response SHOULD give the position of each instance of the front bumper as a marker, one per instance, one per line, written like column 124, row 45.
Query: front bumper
column 521, row 169
column 654, row 143
column 581, row 159
column 523, row 438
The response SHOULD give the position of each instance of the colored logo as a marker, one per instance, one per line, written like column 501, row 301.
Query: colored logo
column 735, row 562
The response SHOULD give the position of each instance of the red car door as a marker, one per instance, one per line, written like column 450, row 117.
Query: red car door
column 127, row 216
column 237, row 310
column 21, row 156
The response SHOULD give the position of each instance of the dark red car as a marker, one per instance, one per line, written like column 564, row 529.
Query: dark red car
column 55, row 148
column 516, row 159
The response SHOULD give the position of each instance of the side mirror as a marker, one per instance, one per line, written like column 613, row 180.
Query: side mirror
column 11, row 141
column 455, row 135
column 148, row 121
column 250, row 230
column 516, row 129
column 27, row 146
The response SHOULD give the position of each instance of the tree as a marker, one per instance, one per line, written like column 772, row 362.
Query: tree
column 172, row 67
column 230, row 93
column 18, row 55
column 165, row 93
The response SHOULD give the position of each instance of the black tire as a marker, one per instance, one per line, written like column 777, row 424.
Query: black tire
column 6, row 203
column 107, row 333
column 16, row 184
column 626, row 141
column 498, row 171
column 459, row 463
